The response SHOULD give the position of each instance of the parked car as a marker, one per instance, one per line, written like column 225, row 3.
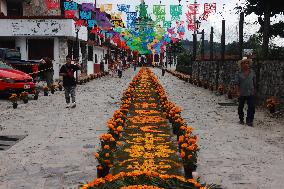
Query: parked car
column 12, row 57
column 14, row 81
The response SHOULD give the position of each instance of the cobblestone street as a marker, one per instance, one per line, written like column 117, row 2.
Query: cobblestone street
column 58, row 151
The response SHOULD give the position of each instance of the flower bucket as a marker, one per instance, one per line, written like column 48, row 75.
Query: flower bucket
column 26, row 100
column 188, row 169
column 60, row 87
column 15, row 105
column 52, row 90
column 102, row 171
column 175, row 128
column 272, row 109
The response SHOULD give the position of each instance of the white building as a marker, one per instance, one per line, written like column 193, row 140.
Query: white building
column 38, row 32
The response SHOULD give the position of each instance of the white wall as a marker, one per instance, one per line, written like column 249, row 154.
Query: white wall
column 3, row 7
column 22, row 44
column 90, row 67
column 100, row 52
column 41, row 27
column 56, row 62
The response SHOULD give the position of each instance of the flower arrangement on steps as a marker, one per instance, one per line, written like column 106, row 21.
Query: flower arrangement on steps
column 88, row 78
column 138, row 149
column 205, row 83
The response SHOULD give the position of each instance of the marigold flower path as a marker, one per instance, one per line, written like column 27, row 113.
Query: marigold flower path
column 148, row 140
column 140, row 150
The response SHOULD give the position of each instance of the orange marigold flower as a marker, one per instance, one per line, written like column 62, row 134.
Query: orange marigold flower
column 182, row 154
column 97, row 155
column 107, row 161
column 106, row 147
column 181, row 139
column 197, row 185
column 119, row 129
column 100, row 167
column 184, row 145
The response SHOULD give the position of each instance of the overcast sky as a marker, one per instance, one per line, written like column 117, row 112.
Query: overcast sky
column 225, row 10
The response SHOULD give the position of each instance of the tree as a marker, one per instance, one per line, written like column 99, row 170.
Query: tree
column 232, row 48
column 265, row 9
column 254, row 42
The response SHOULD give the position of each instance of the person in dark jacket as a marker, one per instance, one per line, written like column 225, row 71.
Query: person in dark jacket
column 69, row 81
column 46, row 67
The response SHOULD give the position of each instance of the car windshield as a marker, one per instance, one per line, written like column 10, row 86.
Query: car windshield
column 13, row 55
column 4, row 66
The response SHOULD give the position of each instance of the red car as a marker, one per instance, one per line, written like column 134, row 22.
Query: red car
column 14, row 81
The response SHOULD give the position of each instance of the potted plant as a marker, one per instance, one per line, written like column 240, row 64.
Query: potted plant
column 45, row 91
column 52, row 89
column 35, row 92
column 24, row 96
column 60, row 87
column 188, row 152
column 13, row 98
column 221, row 89
column 230, row 93
column 108, row 139
column 271, row 103
column 205, row 84
column 105, row 159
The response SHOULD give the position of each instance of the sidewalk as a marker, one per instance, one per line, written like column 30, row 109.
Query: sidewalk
column 235, row 156
column 58, row 151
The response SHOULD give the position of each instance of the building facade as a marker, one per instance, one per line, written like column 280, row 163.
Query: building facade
column 37, row 32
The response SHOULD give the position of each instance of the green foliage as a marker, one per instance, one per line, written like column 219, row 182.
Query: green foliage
column 254, row 42
column 232, row 48
column 258, row 7
column 184, row 58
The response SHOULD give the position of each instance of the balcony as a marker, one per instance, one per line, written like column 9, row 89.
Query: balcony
column 40, row 27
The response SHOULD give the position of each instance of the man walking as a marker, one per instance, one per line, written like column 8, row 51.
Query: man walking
column 245, row 85
column 119, row 68
column 163, row 70
column 47, row 71
column 69, row 81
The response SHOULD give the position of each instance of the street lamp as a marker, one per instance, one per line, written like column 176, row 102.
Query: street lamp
column 197, row 24
column 77, row 29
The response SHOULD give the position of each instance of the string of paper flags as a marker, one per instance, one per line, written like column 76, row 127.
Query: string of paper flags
column 140, row 31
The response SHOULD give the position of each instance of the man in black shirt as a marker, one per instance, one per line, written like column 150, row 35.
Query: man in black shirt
column 47, row 70
column 69, row 81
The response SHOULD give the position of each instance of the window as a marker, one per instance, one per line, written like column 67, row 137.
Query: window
column 156, row 58
column 90, row 53
column 14, row 8
column 71, row 49
column 96, row 58
column 39, row 48
column 7, row 43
